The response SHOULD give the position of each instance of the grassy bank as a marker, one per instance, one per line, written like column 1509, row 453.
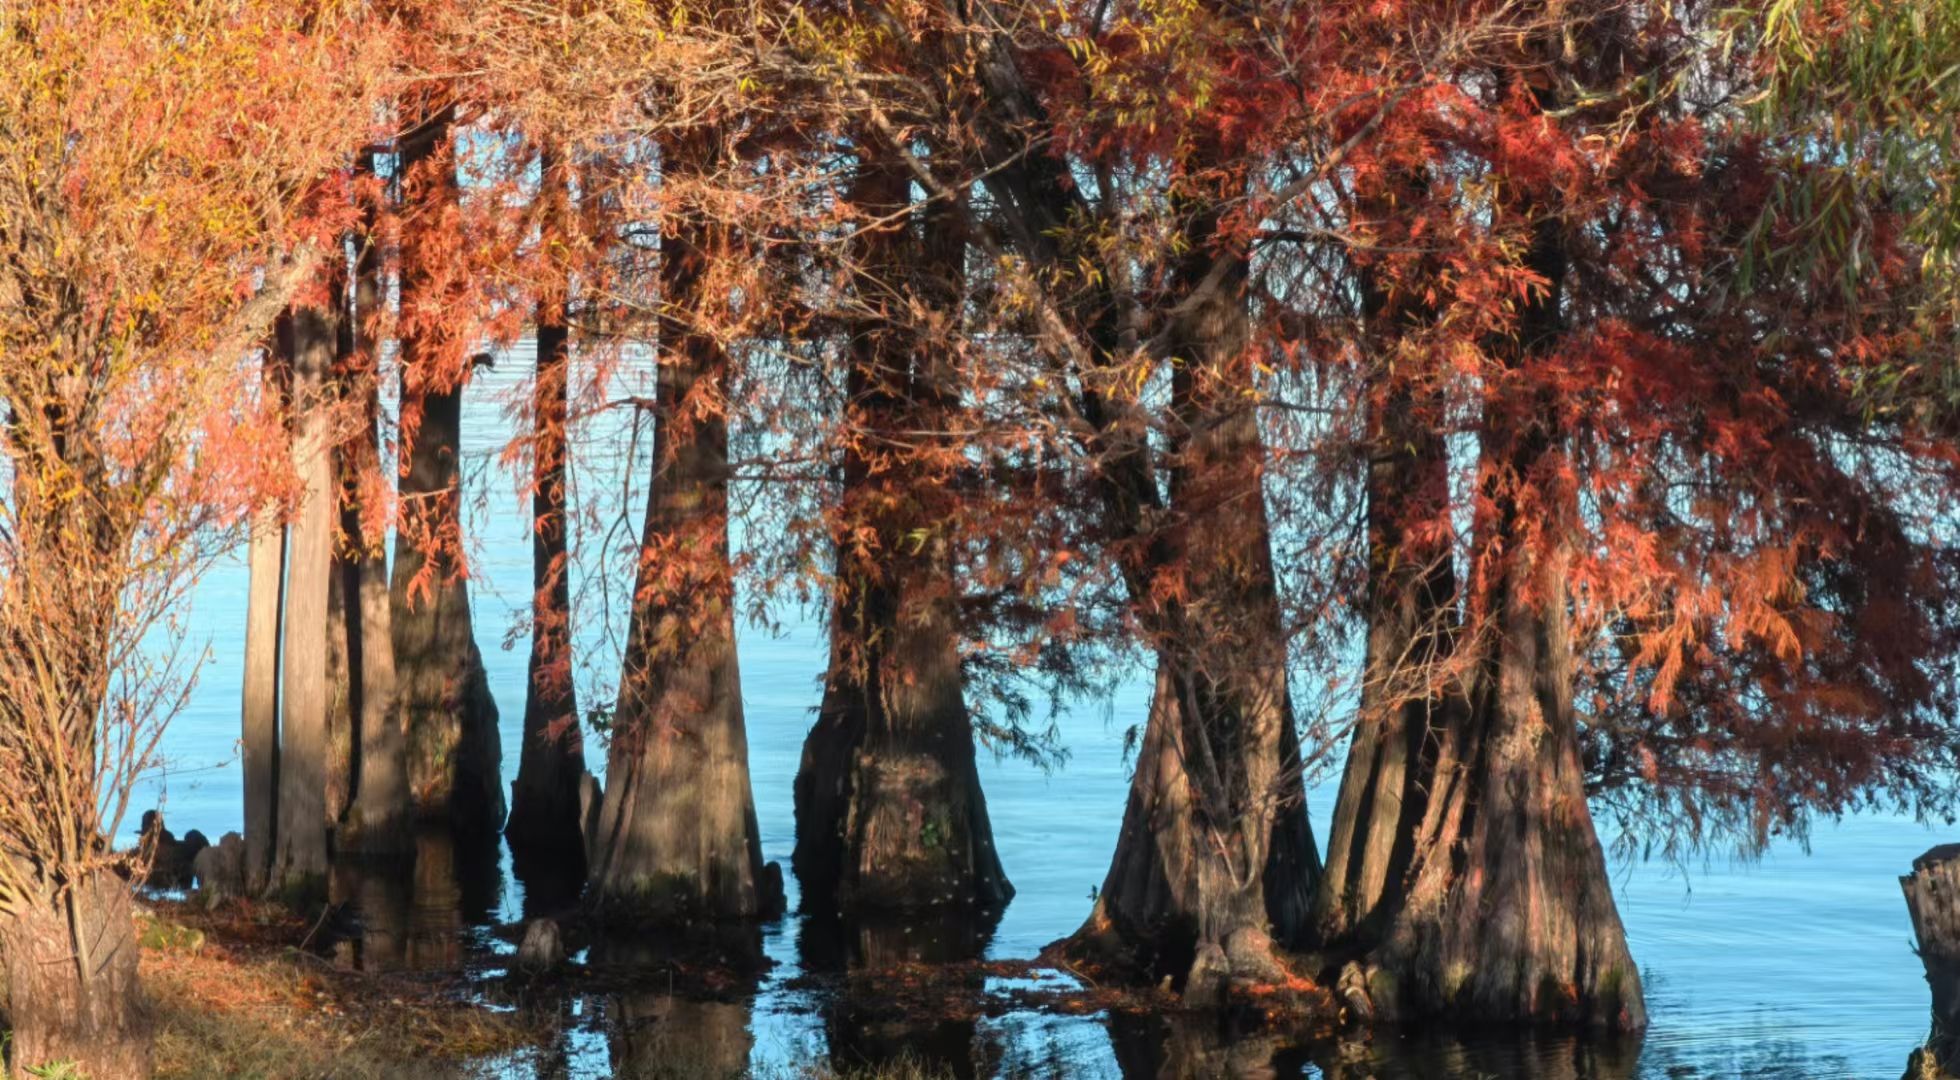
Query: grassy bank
column 235, row 996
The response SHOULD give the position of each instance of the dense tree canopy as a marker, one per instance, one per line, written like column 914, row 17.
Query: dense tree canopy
column 1544, row 404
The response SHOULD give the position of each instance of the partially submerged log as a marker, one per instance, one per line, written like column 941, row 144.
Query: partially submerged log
column 1933, row 899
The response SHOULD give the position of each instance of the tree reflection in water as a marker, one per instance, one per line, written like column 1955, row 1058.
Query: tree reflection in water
column 883, row 1010
column 1166, row 1047
column 410, row 914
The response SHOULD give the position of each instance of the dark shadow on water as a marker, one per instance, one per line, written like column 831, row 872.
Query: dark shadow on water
column 899, row 994
column 1166, row 1047
column 1525, row 1055
column 550, row 886
column 667, row 1015
column 412, row 913
column 877, row 991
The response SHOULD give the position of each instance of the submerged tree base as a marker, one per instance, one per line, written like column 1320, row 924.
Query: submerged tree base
column 1245, row 971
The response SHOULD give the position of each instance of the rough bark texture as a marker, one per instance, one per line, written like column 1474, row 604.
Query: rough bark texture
column 343, row 755
column 544, row 816
column 378, row 820
column 677, row 835
column 1165, row 894
column 266, row 563
column 1933, row 900
column 890, row 813
column 1508, row 913
column 454, row 752
column 1215, row 858
column 71, row 968
column 300, row 862
column 1411, row 612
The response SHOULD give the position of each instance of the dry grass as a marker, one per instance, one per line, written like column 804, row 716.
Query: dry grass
column 244, row 1005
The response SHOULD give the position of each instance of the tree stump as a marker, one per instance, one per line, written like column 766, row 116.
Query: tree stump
column 1933, row 899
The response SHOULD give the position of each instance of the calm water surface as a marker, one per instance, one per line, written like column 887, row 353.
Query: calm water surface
column 1799, row 964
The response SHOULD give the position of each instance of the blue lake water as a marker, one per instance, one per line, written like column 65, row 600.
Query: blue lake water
column 1798, row 964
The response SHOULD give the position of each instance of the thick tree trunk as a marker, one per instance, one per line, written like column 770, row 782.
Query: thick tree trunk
column 677, row 837
column 1165, row 897
column 1510, row 917
column 1933, row 900
column 454, row 753
column 1215, row 859
column 378, row 821
column 1507, row 914
column 890, row 813
column 71, row 966
column 266, row 562
column 544, row 817
column 300, row 865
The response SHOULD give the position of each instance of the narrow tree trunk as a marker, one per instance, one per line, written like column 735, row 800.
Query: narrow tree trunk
column 454, row 752
column 300, row 865
column 890, row 813
column 70, row 966
column 343, row 583
column 544, row 817
column 343, row 693
column 1933, row 900
column 1411, row 612
column 677, row 837
column 378, row 821
column 266, row 562
column 1508, row 914
column 1385, row 783
column 1215, row 859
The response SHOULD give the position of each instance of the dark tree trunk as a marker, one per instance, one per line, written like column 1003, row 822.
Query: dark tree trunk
column 454, row 753
column 877, row 949
column 1511, row 917
column 1226, row 850
column 1412, row 619
column 1177, row 1046
column 677, row 836
column 70, row 966
column 1933, row 900
column 890, row 813
column 1507, row 914
column 661, row 1034
column 300, row 865
column 544, row 817
column 343, row 755
column 378, row 821
column 266, row 561
column 1409, row 610
column 1215, row 859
